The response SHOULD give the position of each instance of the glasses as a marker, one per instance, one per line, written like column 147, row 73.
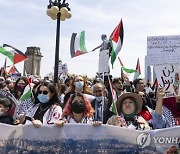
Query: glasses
column 44, row 92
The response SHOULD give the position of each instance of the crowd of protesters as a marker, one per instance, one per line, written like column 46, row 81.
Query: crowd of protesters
column 79, row 99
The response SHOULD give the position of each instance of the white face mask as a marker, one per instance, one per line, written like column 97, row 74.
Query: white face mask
column 99, row 98
column 79, row 84
column 1, row 113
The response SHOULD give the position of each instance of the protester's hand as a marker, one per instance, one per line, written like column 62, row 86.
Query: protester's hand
column 126, row 79
column 59, row 123
column 22, row 118
column 97, row 123
column 160, row 93
column 117, row 121
column 16, row 122
column 36, row 123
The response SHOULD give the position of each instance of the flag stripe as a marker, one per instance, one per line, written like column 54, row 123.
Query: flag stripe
column 6, row 53
column 82, row 42
column 72, row 49
column 128, row 70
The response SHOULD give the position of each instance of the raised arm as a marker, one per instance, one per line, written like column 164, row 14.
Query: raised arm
column 160, row 95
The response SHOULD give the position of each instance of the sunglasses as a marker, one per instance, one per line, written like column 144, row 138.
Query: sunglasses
column 44, row 92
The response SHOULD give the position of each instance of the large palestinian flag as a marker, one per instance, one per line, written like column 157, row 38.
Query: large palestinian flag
column 12, row 53
column 116, row 37
column 77, row 46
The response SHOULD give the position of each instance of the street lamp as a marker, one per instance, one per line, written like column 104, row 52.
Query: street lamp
column 58, row 11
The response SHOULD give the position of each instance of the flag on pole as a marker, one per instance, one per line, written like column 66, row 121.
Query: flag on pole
column 12, row 53
column 122, row 78
column 113, row 107
column 117, row 37
column 138, row 70
column 155, row 85
column 127, row 70
column 77, row 46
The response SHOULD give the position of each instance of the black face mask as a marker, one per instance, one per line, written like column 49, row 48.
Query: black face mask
column 78, row 107
column 20, row 88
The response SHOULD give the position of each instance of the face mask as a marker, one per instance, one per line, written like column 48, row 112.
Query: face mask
column 43, row 98
column 1, row 113
column 99, row 98
column 78, row 107
column 20, row 88
column 79, row 84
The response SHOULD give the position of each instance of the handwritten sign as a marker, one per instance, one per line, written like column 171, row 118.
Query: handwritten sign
column 168, row 78
column 163, row 50
column 103, row 61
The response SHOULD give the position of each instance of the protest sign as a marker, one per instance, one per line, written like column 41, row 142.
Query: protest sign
column 168, row 78
column 163, row 50
column 63, row 69
column 103, row 66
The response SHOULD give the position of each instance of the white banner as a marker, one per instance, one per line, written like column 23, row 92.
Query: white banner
column 84, row 138
column 163, row 50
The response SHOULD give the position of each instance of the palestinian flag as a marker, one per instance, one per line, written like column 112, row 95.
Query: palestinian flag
column 77, row 46
column 27, row 93
column 117, row 37
column 12, row 70
column 12, row 53
column 138, row 70
column 127, row 70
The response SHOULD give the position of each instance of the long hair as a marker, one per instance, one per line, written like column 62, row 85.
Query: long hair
column 52, row 89
column 86, row 89
column 15, row 91
column 88, row 108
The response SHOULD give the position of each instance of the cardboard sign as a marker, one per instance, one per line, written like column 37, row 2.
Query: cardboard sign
column 103, row 61
column 163, row 50
column 168, row 78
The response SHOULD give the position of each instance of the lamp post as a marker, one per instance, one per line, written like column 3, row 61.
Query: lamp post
column 60, row 12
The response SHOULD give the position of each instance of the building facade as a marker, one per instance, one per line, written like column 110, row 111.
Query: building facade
column 32, row 65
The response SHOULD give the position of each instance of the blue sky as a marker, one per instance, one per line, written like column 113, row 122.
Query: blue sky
column 24, row 23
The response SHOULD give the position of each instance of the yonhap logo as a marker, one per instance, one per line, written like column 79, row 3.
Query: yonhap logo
column 143, row 140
